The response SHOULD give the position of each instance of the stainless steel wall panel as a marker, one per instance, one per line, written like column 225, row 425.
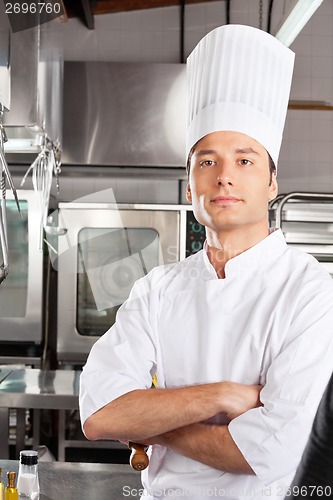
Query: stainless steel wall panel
column 124, row 114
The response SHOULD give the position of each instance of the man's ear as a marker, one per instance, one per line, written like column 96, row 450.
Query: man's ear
column 188, row 193
column 273, row 188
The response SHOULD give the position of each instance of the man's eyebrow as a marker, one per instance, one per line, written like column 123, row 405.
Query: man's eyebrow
column 203, row 152
column 246, row 151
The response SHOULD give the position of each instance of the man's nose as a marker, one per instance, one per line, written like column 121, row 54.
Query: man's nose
column 225, row 174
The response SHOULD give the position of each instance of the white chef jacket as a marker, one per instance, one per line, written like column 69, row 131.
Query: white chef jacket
column 268, row 322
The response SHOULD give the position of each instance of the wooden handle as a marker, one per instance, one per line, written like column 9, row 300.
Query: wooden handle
column 139, row 459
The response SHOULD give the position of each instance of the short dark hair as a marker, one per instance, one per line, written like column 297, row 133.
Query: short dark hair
column 189, row 158
column 272, row 166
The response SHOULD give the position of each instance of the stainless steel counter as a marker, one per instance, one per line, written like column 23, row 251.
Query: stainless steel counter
column 83, row 481
column 30, row 388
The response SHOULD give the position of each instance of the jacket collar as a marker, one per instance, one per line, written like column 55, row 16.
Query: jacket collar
column 254, row 260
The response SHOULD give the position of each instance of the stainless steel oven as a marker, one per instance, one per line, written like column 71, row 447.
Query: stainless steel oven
column 21, row 294
column 102, row 250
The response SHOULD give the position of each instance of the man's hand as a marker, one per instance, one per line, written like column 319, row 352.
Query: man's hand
column 241, row 398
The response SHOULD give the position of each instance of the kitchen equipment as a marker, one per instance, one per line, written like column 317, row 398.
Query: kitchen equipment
column 306, row 220
column 36, row 92
column 21, row 295
column 4, row 175
column 37, row 389
column 4, row 58
column 43, row 168
column 103, row 248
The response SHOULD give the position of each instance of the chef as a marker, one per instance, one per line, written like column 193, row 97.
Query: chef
column 239, row 334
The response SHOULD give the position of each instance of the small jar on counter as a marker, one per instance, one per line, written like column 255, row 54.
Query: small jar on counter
column 2, row 487
column 11, row 492
column 27, row 481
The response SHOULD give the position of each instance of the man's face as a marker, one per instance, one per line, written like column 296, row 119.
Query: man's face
column 229, row 182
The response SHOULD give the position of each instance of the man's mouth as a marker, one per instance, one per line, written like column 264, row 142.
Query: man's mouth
column 225, row 200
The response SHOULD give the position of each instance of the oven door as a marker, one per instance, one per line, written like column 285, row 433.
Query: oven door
column 21, row 292
column 103, row 252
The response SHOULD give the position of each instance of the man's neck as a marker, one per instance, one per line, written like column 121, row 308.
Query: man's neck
column 226, row 245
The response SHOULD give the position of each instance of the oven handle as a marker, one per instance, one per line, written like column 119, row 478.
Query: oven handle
column 55, row 230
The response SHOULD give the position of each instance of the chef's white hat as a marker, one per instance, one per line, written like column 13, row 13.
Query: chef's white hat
column 239, row 79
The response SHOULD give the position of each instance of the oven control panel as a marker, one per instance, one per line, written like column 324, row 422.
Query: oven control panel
column 195, row 234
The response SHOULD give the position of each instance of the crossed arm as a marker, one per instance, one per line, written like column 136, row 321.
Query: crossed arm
column 174, row 418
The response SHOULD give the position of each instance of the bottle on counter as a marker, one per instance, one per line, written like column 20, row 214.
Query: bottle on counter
column 2, row 487
column 27, row 481
column 11, row 492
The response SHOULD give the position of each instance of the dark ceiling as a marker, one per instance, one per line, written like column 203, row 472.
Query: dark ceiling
column 87, row 9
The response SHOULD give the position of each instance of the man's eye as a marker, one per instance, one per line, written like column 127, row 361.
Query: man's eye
column 244, row 161
column 207, row 163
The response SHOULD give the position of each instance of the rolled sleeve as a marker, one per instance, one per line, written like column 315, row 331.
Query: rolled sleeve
column 271, row 452
column 272, row 438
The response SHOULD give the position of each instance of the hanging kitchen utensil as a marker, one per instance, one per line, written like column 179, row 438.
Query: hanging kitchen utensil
column 45, row 165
